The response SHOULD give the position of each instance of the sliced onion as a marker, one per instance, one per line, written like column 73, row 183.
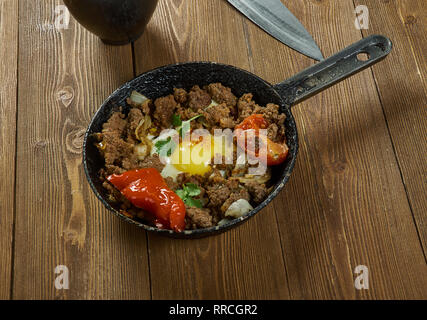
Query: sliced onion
column 142, row 128
column 138, row 98
column 213, row 104
column 252, row 178
column 101, row 145
column 238, row 208
column 141, row 151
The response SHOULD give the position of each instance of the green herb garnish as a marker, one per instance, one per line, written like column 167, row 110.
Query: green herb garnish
column 192, row 189
column 183, row 126
column 176, row 120
column 181, row 193
column 187, row 193
column 165, row 147
column 193, row 203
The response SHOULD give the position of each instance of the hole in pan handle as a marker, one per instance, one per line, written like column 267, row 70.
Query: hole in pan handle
column 334, row 69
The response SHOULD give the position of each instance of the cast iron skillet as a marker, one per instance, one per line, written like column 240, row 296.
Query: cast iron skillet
column 161, row 81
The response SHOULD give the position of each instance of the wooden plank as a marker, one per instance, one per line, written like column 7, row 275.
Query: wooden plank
column 345, row 204
column 402, row 85
column 8, row 83
column 64, row 75
column 245, row 263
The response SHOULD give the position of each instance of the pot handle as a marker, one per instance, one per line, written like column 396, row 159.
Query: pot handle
column 332, row 70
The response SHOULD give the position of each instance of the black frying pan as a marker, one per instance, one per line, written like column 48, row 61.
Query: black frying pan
column 161, row 81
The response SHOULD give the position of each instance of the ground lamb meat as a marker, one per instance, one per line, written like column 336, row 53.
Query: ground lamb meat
column 272, row 114
column 164, row 109
column 218, row 116
column 130, row 162
column 217, row 195
column 198, row 218
column 241, row 194
column 221, row 94
column 115, row 195
column 216, row 177
column 171, row 183
column 116, row 151
column 198, row 98
column 246, row 107
column 116, row 123
column 184, row 178
column 152, row 162
column 145, row 107
column 258, row 192
column 276, row 133
column 180, row 95
column 276, row 130
column 233, row 184
column 227, row 123
column 134, row 118
column 112, row 169
column 186, row 113
column 272, row 131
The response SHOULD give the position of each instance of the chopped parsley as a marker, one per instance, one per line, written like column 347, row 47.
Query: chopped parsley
column 165, row 147
column 183, row 126
column 176, row 120
column 187, row 193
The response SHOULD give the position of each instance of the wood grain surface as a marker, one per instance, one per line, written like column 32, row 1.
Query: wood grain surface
column 345, row 204
column 64, row 76
column 402, row 87
column 356, row 196
column 8, row 87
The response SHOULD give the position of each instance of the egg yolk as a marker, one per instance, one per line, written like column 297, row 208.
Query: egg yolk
column 196, row 157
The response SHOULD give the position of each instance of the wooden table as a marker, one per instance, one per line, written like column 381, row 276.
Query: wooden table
column 357, row 195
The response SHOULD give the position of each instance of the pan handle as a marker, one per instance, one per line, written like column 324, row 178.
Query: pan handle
column 340, row 66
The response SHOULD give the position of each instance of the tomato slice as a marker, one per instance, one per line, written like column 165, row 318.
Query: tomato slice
column 255, row 121
column 276, row 152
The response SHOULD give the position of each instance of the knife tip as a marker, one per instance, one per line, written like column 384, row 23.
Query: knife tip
column 312, row 52
column 318, row 56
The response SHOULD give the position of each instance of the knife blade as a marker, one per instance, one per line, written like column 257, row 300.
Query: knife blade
column 274, row 18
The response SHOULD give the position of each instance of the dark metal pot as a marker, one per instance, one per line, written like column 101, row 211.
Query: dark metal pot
column 116, row 22
column 161, row 81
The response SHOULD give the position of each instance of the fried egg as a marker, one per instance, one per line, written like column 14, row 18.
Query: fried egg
column 192, row 157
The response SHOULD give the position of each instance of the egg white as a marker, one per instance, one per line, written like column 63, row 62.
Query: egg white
column 169, row 170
